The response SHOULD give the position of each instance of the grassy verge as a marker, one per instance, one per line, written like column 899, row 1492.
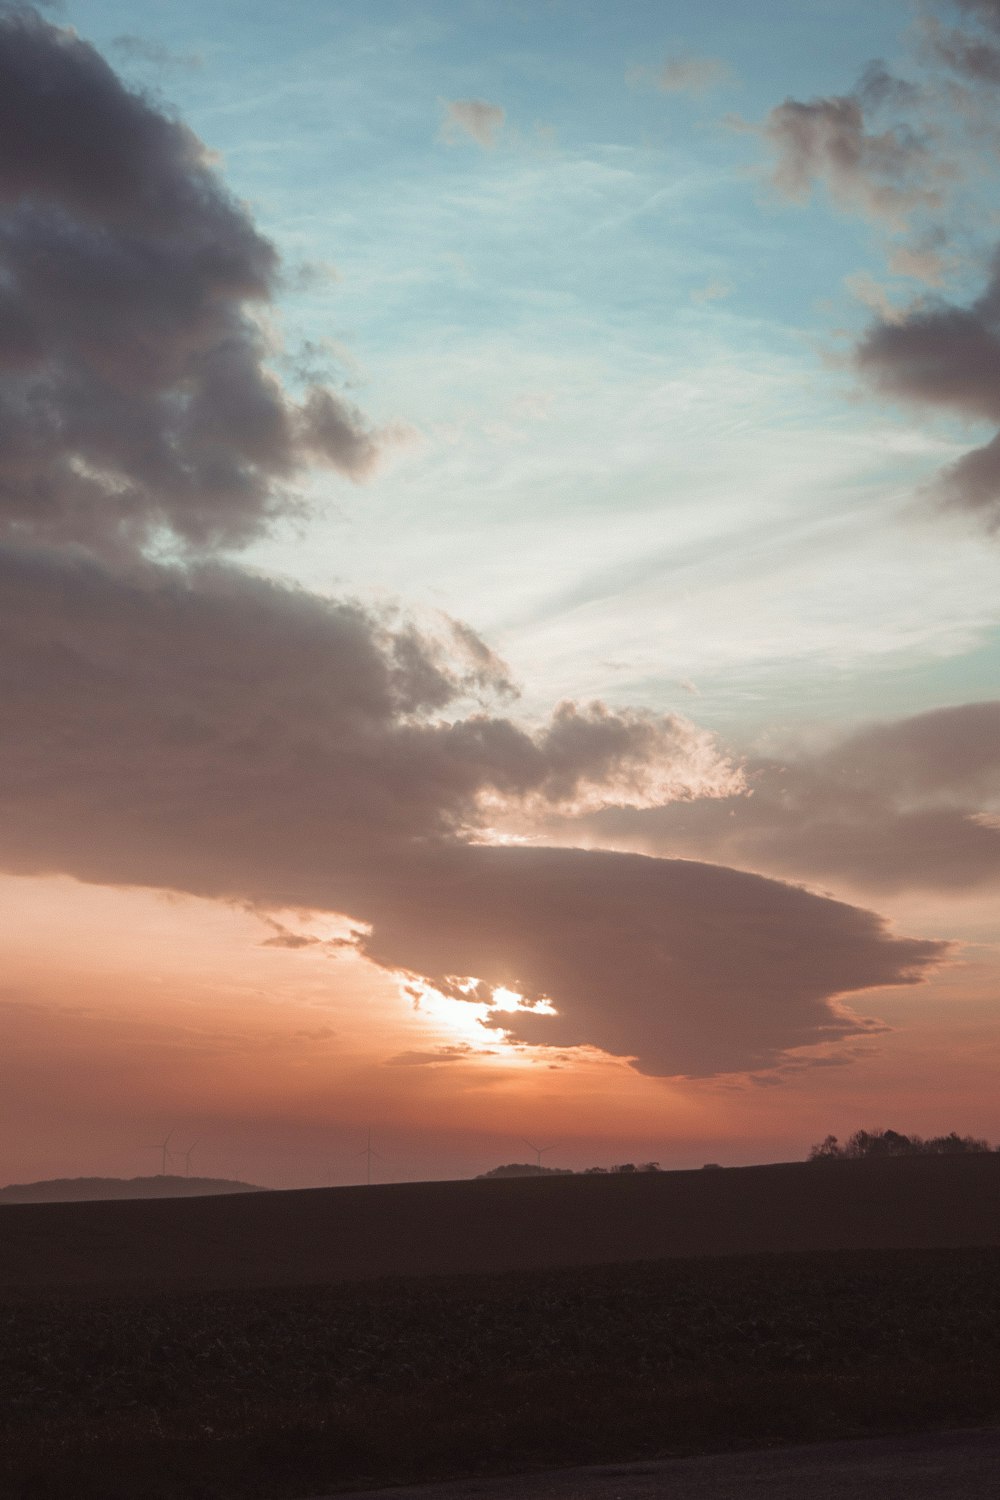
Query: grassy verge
column 283, row 1393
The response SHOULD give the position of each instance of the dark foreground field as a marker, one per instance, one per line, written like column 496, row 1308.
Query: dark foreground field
column 290, row 1392
column 747, row 1308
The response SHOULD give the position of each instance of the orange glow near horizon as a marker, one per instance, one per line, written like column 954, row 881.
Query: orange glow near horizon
column 273, row 1039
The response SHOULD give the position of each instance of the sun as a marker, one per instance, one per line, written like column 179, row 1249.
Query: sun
column 473, row 1020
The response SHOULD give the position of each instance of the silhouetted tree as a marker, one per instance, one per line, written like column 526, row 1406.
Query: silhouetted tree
column 865, row 1143
column 962, row 1145
column 527, row 1169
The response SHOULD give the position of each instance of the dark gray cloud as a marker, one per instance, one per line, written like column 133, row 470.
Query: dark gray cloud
column 938, row 353
column 155, row 711
column 135, row 392
column 971, row 56
column 934, row 353
column 943, row 355
column 688, row 968
column 211, row 732
column 986, row 11
column 908, row 805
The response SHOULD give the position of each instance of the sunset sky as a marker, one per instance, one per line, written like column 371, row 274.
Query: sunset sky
column 499, row 582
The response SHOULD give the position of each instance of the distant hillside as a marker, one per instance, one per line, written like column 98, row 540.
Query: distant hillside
column 99, row 1189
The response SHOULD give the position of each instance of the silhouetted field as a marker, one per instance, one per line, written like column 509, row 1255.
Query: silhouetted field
column 324, row 1234
column 285, row 1390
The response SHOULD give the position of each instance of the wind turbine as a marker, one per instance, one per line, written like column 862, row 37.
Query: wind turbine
column 162, row 1147
column 187, row 1157
column 368, row 1152
column 538, row 1150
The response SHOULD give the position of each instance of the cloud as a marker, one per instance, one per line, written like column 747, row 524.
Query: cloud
column 689, row 75
column 942, row 355
column 947, row 356
column 690, row 969
column 970, row 56
column 209, row 707
column 284, row 937
column 968, row 53
column 933, row 352
column 473, row 118
column 418, row 1058
column 207, row 731
column 986, row 11
column 712, row 291
column 938, row 353
column 972, row 484
column 144, row 49
column 919, row 262
column 872, row 294
column 905, row 805
column 882, row 175
column 198, row 728
column 137, row 401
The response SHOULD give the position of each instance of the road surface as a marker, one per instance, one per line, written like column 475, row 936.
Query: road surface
column 939, row 1466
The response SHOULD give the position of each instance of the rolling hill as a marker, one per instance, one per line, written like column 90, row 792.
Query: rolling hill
column 104, row 1189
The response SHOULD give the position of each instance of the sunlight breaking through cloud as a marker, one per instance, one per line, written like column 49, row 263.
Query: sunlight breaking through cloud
column 470, row 1011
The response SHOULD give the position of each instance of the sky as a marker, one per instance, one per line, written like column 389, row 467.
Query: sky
column 499, row 514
